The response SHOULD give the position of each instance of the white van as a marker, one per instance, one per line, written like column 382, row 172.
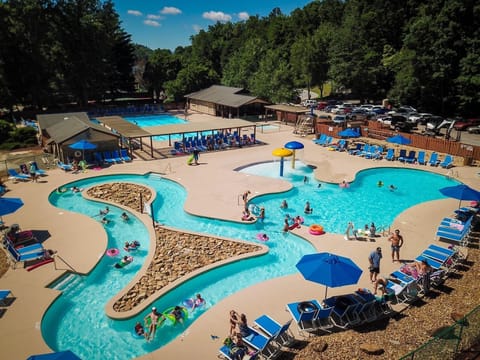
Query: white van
column 310, row 103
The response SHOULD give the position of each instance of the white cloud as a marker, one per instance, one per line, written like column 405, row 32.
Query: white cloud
column 196, row 28
column 170, row 10
column 154, row 17
column 216, row 16
column 134, row 12
column 151, row 23
column 243, row 15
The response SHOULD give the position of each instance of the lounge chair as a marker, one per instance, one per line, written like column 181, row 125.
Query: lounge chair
column 116, row 156
column 38, row 171
column 108, row 158
column 35, row 247
column 266, row 346
column 358, row 148
column 18, row 257
column 124, row 154
column 304, row 314
column 421, row 158
column 366, row 150
column 402, row 156
column 63, row 166
column 411, row 158
column 98, row 158
column 433, row 159
column 403, row 292
column 281, row 333
column 3, row 296
column 320, row 140
column 344, row 310
column 447, row 162
column 14, row 175
column 455, row 253
column 390, row 155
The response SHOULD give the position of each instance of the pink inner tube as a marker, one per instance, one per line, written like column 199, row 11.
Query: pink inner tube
column 112, row 252
column 261, row 237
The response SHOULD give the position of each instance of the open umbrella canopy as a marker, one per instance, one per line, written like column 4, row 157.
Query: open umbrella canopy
column 349, row 133
column 399, row 139
column 461, row 192
column 282, row 152
column 329, row 269
column 82, row 145
column 62, row 355
column 9, row 205
column 294, row 145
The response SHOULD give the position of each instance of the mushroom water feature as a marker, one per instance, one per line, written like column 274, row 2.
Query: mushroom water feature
column 282, row 152
column 294, row 145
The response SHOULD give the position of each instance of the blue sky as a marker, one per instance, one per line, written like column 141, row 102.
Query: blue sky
column 168, row 24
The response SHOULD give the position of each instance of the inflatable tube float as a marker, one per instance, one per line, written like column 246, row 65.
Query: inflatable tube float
column 112, row 252
column 262, row 237
column 167, row 313
column 190, row 160
column 190, row 303
column 33, row 267
column 122, row 264
column 306, row 307
column 316, row 229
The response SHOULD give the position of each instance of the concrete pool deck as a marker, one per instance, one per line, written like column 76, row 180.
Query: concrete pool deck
column 213, row 191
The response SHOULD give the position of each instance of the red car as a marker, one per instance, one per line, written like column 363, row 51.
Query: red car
column 465, row 124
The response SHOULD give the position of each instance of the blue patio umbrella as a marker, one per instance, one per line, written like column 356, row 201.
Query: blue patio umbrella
column 349, row 133
column 82, row 145
column 329, row 269
column 9, row 205
column 461, row 192
column 294, row 145
column 399, row 139
column 62, row 355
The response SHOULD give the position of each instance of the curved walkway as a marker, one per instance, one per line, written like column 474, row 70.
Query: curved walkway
column 213, row 183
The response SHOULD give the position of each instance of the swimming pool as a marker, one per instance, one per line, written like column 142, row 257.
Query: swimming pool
column 80, row 310
column 146, row 121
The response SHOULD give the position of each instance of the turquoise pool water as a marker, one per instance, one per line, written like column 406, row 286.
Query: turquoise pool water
column 158, row 120
column 77, row 321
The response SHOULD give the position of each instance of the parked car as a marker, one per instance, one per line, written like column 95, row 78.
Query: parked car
column 465, row 124
column 419, row 118
column 400, row 123
column 474, row 129
column 340, row 119
column 310, row 103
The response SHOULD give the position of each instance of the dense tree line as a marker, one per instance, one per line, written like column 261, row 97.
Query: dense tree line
column 62, row 51
column 423, row 53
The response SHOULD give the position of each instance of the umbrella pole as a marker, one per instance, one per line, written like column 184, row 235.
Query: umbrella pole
column 293, row 160
column 326, row 289
column 281, row 166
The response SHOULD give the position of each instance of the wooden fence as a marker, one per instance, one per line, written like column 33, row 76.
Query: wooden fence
column 375, row 130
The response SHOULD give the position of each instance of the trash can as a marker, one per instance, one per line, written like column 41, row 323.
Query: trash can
column 467, row 160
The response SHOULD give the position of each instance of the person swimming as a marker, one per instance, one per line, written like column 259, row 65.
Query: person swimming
column 392, row 188
column 380, row 183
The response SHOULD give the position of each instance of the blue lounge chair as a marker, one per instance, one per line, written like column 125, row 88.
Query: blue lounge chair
column 459, row 239
column 3, row 296
column 304, row 314
column 281, row 334
column 29, row 249
column 14, row 175
column 354, row 151
column 433, row 159
column 366, row 150
column 63, row 166
column 116, row 156
column 320, row 140
column 124, row 154
column 18, row 257
column 421, row 158
column 410, row 158
column 98, row 158
column 447, row 162
column 402, row 156
column 266, row 346
column 390, row 155
column 108, row 158
column 344, row 310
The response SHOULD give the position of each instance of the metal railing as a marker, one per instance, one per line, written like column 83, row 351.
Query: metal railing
column 451, row 341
